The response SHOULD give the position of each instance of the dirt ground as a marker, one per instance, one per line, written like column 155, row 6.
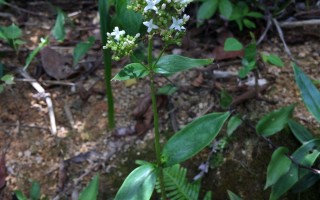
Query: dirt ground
column 82, row 128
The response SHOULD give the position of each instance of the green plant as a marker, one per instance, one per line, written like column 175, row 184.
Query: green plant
column 191, row 139
column 11, row 34
column 293, row 171
column 35, row 192
column 239, row 12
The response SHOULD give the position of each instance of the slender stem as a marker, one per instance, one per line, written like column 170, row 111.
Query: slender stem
column 156, row 121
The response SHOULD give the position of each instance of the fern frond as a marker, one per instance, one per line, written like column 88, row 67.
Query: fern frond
column 177, row 186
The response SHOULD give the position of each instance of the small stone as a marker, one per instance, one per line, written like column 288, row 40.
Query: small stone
column 302, row 55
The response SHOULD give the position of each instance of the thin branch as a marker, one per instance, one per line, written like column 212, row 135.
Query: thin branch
column 47, row 97
column 292, row 24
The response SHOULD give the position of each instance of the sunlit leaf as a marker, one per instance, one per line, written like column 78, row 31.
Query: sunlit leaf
column 81, row 49
column 232, row 44
column 91, row 191
column 233, row 196
column 278, row 166
column 139, row 184
column 193, row 138
column 272, row 59
column 171, row 64
column 300, row 132
column 58, row 30
column 133, row 70
column 310, row 94
column 233, row 123
column 274, row 121
column 225, row 8
column 35, row 191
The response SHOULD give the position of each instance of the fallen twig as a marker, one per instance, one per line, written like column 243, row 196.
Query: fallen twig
column 43, row 94
column 292, row 24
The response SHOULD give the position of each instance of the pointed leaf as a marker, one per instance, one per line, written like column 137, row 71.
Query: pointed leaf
column 193, row 138
column 43, row 43
column 248, row 23
column 174, row 63
column 208, row 196
column 254, row 14
column 139, row 184
column 58, row 30
column 81, row 49
column 278, row 166
column 20, row 195
column 274, row 121
column 207, row 9
column 310, row 94
column 232, row 44
column 273, row 59
column 305, row 155
column 225, row 8
column 133, row 70
column 233, row 196
column 300, row 132
column 91, row 191
column 35, row 191
column 10, row 32
column 233, row 124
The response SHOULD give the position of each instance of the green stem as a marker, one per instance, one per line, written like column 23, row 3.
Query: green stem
column 104, row 20
column 156, row 121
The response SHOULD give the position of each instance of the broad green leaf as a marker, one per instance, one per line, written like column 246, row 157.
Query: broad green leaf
column 310, row 94
column 10, row 32
column 272, row 59
column 233, row 196
column 129, row 20
column 58, row 30
column 232, row 44
column 20, row 195
column 300, row 132
column 248, row 23
column 81, row 49
column 254, row 14
column 278, row 166
column 225, row 8
column 208, row 196
column 305, row 182
column 91, row 191
column 225, row 99
column 193, row 138
column 274, row 121
column 167, row 90
column 305, row 155
column 285, row 183
column 2, row 2
column 43, row 43
column 139, row 184
column 133, row 70
column 250, row 53
column 207, row 9
column 174, row 63
column 35, row 191
column 8, row 79
column 233, row 123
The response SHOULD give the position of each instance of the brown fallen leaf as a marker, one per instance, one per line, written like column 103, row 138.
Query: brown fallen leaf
column 198, row 81
column 220, row 54
column 55, row 64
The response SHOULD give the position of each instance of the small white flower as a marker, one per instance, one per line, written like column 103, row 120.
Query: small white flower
column 177, row 24
column 186, row 17
column 151, row 5
column 150, row 25
column 163, row 6
column 117, row 33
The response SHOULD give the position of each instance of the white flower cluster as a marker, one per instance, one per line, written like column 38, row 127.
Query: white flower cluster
column 165, row 6
column 120, row 44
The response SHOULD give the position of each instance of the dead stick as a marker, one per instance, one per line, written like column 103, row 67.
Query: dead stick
column 312, row 22
column 47, row 97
